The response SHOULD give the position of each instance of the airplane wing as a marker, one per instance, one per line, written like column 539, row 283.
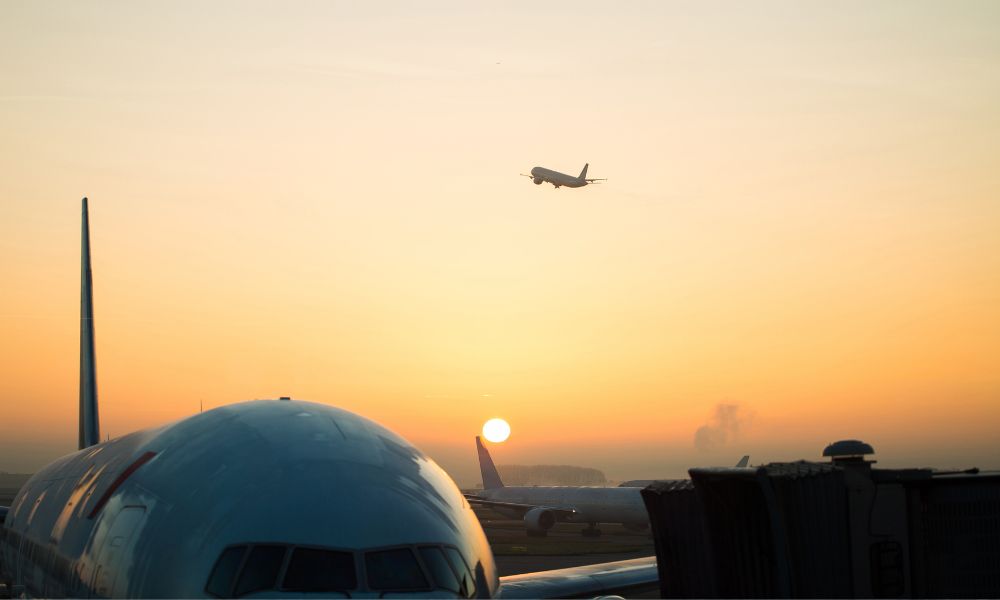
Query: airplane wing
column 593, row 180
column 623, row 577
column 560, row 512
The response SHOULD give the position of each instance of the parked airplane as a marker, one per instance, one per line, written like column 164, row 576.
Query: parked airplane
column 540, row 175
column 275, row 498
column 542, row 506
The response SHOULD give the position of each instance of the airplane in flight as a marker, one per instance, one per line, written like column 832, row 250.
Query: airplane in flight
column 266, row 498
column 540, row 175
column 542, row 506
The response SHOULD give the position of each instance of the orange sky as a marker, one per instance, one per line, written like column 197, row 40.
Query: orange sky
column 321, row 200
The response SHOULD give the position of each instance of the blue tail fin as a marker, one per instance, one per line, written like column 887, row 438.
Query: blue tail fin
column 491, row 479
column 90, row 428
column 583, row 173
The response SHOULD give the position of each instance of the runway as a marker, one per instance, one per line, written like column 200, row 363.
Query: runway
column 564, row 546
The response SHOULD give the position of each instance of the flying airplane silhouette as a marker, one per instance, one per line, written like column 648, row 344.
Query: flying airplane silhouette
column 540, row 175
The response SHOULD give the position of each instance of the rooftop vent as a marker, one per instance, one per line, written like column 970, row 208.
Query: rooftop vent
column 848, row 451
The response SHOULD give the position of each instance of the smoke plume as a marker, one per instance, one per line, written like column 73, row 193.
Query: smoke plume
column 725, row 426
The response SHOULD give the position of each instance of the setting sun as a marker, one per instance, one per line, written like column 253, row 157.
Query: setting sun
column 496, row 430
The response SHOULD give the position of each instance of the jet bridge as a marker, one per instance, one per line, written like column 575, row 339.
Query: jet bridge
column 827, row 529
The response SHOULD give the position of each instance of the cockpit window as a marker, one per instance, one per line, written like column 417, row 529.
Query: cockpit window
column 250, row 568
column 395, row 569
column 261, row 570
column 315, row 570
column 220, row 582
column 466, row 582
column 440, row 570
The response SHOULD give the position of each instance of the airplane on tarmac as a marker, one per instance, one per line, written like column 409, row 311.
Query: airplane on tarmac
column 267, row 498
column 540, row 175
column 542, row 506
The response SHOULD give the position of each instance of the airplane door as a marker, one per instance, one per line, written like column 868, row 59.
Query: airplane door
column 110, row 557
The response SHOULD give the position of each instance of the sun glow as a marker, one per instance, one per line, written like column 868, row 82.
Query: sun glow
column 496, row 430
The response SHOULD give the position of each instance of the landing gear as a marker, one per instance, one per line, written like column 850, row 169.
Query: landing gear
column 591, row 531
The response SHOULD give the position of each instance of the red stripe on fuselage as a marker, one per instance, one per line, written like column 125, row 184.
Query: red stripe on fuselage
column 145, row 458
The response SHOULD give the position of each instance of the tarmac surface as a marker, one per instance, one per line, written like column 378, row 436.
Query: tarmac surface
column 564, row 546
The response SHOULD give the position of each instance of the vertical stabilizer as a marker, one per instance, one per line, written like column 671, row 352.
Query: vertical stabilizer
column 90, row 428
column 583, row 173
column 491, row 479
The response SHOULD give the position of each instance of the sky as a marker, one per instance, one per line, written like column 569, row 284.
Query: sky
column 798, row 241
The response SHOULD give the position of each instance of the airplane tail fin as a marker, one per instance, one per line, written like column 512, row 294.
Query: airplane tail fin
column 90, row 427
column 583, row 173
column 491, row 478
column 743, row 461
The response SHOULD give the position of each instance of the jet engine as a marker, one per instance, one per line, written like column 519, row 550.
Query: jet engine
column 538, row 521
column 537, row 180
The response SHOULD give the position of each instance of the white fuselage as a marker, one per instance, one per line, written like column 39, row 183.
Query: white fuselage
column 542, row 175
column 281, row 473
column 592, row 504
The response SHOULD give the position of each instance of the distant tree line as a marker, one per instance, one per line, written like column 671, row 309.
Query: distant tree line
column 13, row 479
column 550, row 475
